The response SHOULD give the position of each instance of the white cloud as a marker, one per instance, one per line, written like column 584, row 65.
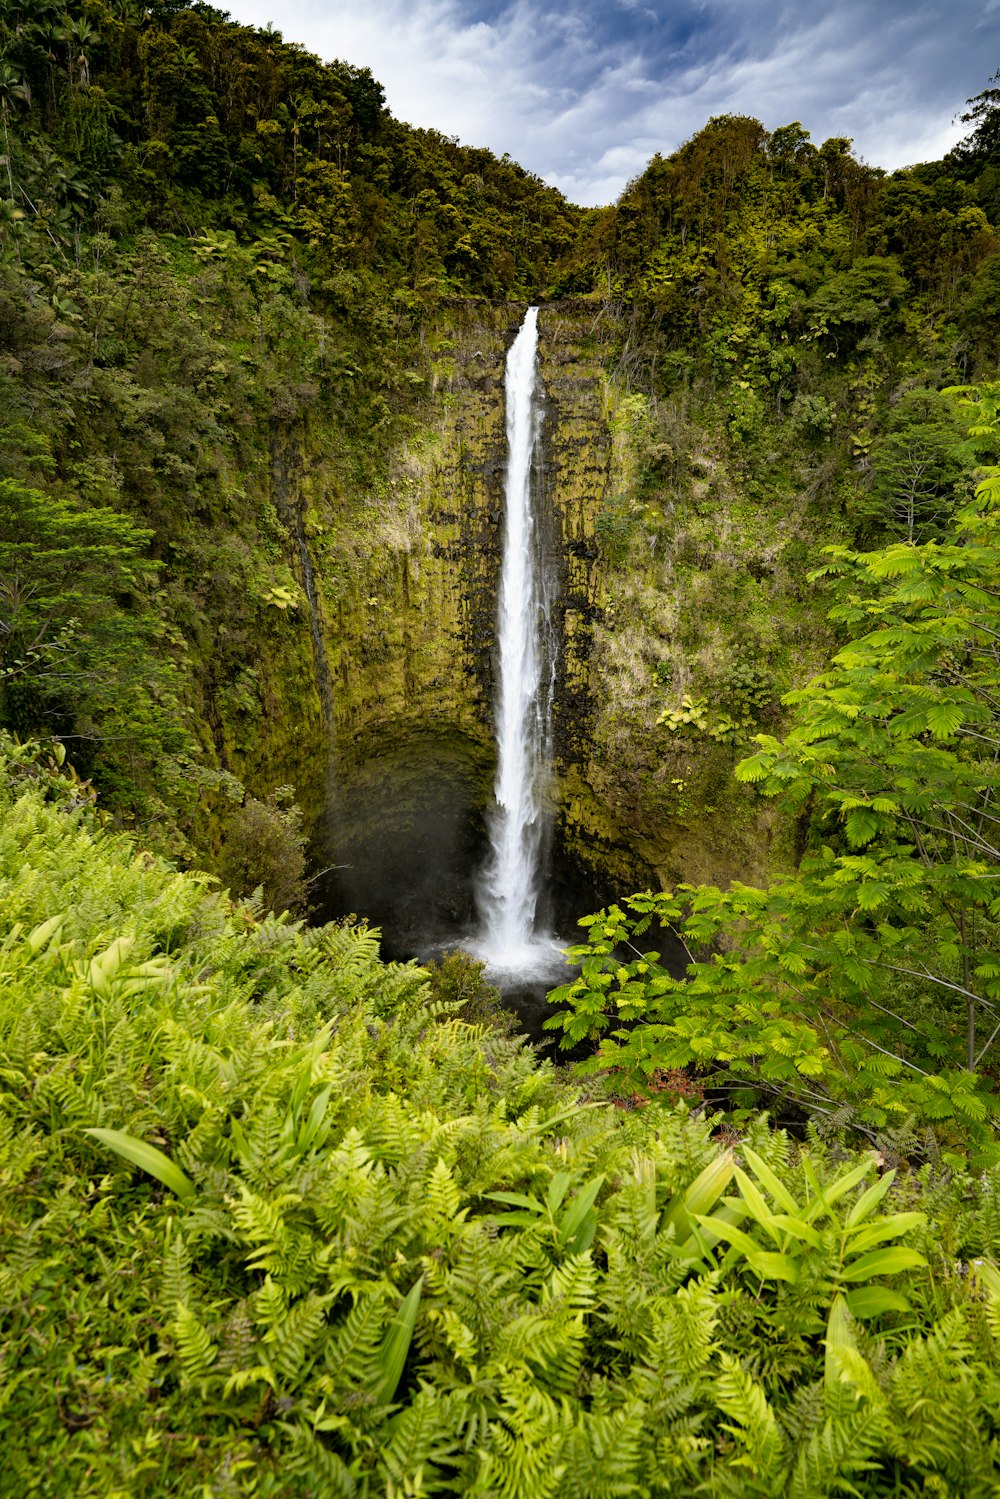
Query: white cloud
column 584, row 93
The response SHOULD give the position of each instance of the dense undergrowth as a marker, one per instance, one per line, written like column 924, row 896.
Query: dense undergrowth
column 276, row 1223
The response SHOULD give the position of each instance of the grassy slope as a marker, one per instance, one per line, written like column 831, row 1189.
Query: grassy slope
column 341, row 1141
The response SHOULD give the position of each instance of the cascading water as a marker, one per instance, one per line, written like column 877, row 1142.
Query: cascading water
column 510, row 885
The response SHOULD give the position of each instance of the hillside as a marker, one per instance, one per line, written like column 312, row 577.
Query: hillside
column 250, row 313
column 282, row 1217
column 276, row 1221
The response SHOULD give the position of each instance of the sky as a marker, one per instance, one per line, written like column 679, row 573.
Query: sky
column 583, row 93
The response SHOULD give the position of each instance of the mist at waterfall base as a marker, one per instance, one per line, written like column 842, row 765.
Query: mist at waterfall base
column 417, row 847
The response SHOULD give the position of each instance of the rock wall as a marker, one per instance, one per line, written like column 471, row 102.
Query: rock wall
column 411, row 619
column 392, row 745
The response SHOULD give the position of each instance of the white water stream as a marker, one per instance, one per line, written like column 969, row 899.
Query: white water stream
column 510, row 940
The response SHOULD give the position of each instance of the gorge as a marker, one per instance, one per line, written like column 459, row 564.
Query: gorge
column 268, row 427
column 395, row 556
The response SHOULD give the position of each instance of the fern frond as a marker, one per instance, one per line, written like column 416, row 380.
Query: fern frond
column 602, row 1455
column 292, row 1341
column 757, row 1432
column 417, row 1441
column 841, row 1450
column 176, row 1285
column 327, row 1475
column 195, row 1349
column 572, row 1285
column 351, row 1351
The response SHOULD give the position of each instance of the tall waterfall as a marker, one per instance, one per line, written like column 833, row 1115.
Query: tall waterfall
column 519, row 822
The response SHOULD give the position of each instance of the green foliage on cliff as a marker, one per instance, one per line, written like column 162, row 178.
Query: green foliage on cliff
column 205, row 125
column 864, row 984
column 227, row 312
column 278, row 1218
column 218, row 257
column 275, row 1223
column 780, row 321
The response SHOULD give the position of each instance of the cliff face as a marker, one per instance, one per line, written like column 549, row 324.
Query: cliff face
column 399, row 591
column 327, row 518
column 411, row 620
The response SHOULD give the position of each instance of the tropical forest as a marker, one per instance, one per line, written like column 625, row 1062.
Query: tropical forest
column 499, row 796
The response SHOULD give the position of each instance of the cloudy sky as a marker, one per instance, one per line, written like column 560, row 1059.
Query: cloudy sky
column 585, row 91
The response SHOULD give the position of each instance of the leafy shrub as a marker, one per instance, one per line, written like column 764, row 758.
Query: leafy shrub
column 614, row 527
column 264, row 850
column 458, row 982
column 811, row 417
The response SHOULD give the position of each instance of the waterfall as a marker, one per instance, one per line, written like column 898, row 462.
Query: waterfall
column 519, row 821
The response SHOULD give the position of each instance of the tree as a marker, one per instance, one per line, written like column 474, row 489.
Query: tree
column 981, row 148
column 919, row 470
column 264, row 850
column 80, row 658
column 62, row 572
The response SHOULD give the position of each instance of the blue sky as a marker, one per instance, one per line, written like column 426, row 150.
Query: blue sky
column 584, row 93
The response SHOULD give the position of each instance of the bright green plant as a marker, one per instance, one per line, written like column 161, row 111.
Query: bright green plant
column 268, row 1211
column 812, row 1246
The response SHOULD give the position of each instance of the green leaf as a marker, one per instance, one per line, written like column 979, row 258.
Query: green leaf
column 890, row 1261
column 798, row 1229
column 396, row 1345
column 875, row 1301
column 774, row 1185
column 756, row 1206
column 839, row 1335
column 579, row 1222
column 861, row 826
column 944, row 718
column 702, row 1239
column 516, row 1199
column 700, row 1196
column 774, row 1266
column 43, row 934
column 836, row 1189
column 764, row 1262
column 892, row 1227
column 558, row 1187
column 148, row 1157
column 988, row 1275
column 870, row 1198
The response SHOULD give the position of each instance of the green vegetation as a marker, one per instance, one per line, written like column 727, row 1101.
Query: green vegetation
column 864, row 984
column 242, row 307
column 276, row 1223
column 278, row 1218
column 219, row 264
column 780, row 321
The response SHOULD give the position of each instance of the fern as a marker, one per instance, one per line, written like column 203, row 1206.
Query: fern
column 837, row 1453
column 521, row 1456
column 337, row 1166
column 756, row 1429
column 935, row 1422
column 602, row 1454
column 177, row 1289
column 350, row 1352
column 292, row 1342
column 196, row 1351
column 420, row 1440
column 325, row 1475
column 443, row 1196
column 269, row 1304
